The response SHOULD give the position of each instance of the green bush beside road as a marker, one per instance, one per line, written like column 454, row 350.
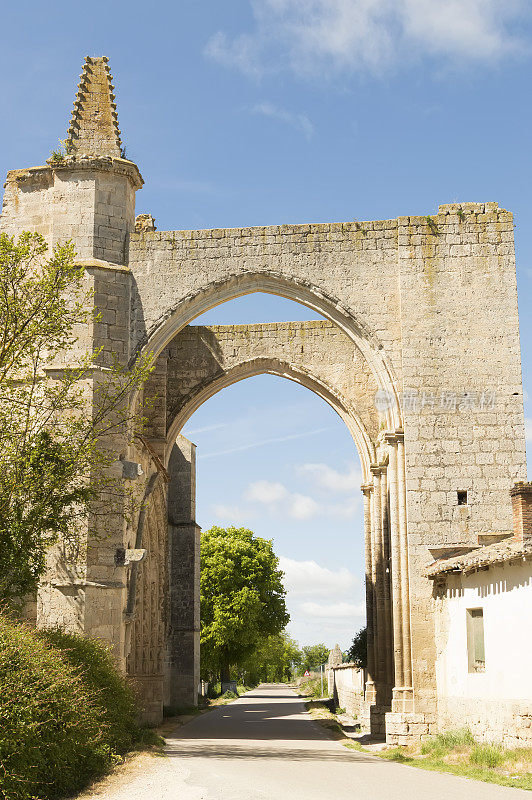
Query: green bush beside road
column 66, row 713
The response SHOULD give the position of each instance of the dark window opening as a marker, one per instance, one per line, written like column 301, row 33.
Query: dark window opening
column 462, row 497
column 475, row 640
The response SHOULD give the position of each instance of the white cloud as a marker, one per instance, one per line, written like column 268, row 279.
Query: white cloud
column 303, row 507
column 345, row 509
column 241, row 53
column 308, row 577
column 230, row 513
column 311, row 37
column 328, row 478
column 277, row 498
column 528, row 429
column 333, row 610
column 274, row 497
column 325, row 604
column 266, row 492
column 298, row 121
column 474, row 29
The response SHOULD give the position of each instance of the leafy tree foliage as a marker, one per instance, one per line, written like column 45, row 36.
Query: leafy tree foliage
column 242, row 597
column 313, row 655
column 51, row 463
column 274, row 660
column 358, row 652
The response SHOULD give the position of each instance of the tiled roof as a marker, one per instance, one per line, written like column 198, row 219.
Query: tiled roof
column 507, row 550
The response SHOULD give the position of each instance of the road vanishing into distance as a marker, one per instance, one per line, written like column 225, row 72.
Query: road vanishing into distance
column 265, row 746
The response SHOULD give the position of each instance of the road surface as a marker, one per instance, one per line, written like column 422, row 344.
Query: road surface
column 265, row 747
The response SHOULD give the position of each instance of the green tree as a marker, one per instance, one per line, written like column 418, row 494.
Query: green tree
column 274, row 660
column 242, row 597
column 313, row 656
column 358, row 652
column 51, row 463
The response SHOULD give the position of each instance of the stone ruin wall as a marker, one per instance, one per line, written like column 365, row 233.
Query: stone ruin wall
column 427, row 306
column 439, row 300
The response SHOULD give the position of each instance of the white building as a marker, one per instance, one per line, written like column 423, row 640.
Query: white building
column 483, row 629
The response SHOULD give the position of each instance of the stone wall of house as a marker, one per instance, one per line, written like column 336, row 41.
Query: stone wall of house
column 495, row 703
column 507, row 722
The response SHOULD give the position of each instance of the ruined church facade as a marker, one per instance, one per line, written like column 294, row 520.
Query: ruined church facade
column 419, row 354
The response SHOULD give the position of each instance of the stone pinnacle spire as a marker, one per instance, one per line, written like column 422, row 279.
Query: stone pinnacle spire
column 93, row 128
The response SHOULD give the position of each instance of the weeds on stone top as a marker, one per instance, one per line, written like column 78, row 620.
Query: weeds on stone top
column 433, row 226
column 59, row 155
column 354, row 745
column 396, row 754
column 461, row 215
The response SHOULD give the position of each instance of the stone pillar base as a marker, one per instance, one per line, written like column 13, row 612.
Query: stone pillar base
column 373, row 710
column 150, row 689
column 182, row 677
column 402, row 699
column 377, row 723
column 370, row 693
column 409, row 728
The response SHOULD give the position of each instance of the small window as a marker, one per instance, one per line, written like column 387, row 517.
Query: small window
column 462, row 497
column 475, row 640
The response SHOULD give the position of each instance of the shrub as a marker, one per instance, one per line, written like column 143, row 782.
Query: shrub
column 395, row 754
column 487, row 755
column 445, row 742
column 113, row 695
column 58, row 719
column 229, row 695
column 312, row 686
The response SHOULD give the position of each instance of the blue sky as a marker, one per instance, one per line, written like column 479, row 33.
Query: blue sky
column 254, row 113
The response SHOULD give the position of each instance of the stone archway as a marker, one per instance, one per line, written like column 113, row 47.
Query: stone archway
column 429, row 303
column 200, row 361
column 153, row 335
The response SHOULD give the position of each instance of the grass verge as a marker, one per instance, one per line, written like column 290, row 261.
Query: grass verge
column 457, row 752
column 321, row 714
column 311, row 687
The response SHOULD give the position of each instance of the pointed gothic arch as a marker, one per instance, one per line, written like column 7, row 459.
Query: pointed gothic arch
column 181, row 313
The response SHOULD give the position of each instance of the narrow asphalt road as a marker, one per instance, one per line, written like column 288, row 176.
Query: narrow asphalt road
column 264, row 746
